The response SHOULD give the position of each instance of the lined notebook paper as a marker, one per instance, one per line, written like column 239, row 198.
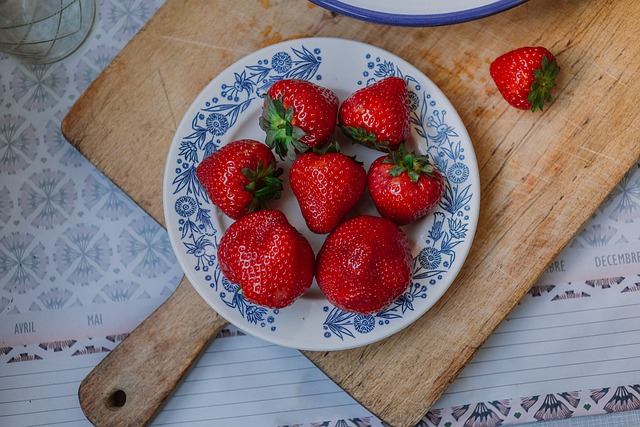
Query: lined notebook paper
column 238, row 381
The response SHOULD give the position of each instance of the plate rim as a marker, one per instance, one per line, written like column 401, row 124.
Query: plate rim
column 417, row 19
column 209, row 297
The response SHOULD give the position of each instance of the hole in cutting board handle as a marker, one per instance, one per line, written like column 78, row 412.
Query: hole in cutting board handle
column 116, row 399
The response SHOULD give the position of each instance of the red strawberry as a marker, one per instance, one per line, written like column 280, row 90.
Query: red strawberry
column 327, row 186
column 525, row 76
column 378, row 115
column 364, row 264
column 404, row 186
column 240, row 177
column 298, row 114
column 271, row 261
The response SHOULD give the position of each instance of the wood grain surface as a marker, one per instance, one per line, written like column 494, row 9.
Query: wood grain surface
column 542, row 175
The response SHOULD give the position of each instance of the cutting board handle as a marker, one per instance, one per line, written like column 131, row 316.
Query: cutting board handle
column 131, row 383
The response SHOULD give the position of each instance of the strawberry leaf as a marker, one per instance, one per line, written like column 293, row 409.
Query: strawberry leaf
column 413, row 164
column 396, row 170
column 264, row 184
column 366, row 138
column 545, row 76
column 282, row 135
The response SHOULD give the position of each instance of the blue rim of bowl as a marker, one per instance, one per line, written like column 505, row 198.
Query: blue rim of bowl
column 418, row 20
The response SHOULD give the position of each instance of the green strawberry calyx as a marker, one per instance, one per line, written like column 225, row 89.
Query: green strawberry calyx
column 413, row 164
column 264, row 184
column 545, row 80
column 281, row 134
column 333, row 147
column 366, row 138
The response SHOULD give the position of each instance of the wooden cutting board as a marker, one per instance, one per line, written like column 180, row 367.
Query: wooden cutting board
column 542, row 175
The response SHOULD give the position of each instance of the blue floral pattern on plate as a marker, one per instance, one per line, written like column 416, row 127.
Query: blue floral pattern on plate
column 228, row 109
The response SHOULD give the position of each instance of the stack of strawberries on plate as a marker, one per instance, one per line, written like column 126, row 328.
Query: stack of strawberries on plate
column 365, row 261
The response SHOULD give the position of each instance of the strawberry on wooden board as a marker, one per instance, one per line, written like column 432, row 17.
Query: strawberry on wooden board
column 525, row 76
column 377, row 116
column 240, row 177
column 404, row 186
column 327, row 185
column 364, row 264
column 271, row 261
column 298, row 114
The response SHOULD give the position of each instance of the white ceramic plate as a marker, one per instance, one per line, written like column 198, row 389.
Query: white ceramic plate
column 228, row 109
column 418, row 12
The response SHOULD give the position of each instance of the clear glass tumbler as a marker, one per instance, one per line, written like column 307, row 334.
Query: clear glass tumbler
column 44, row 31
